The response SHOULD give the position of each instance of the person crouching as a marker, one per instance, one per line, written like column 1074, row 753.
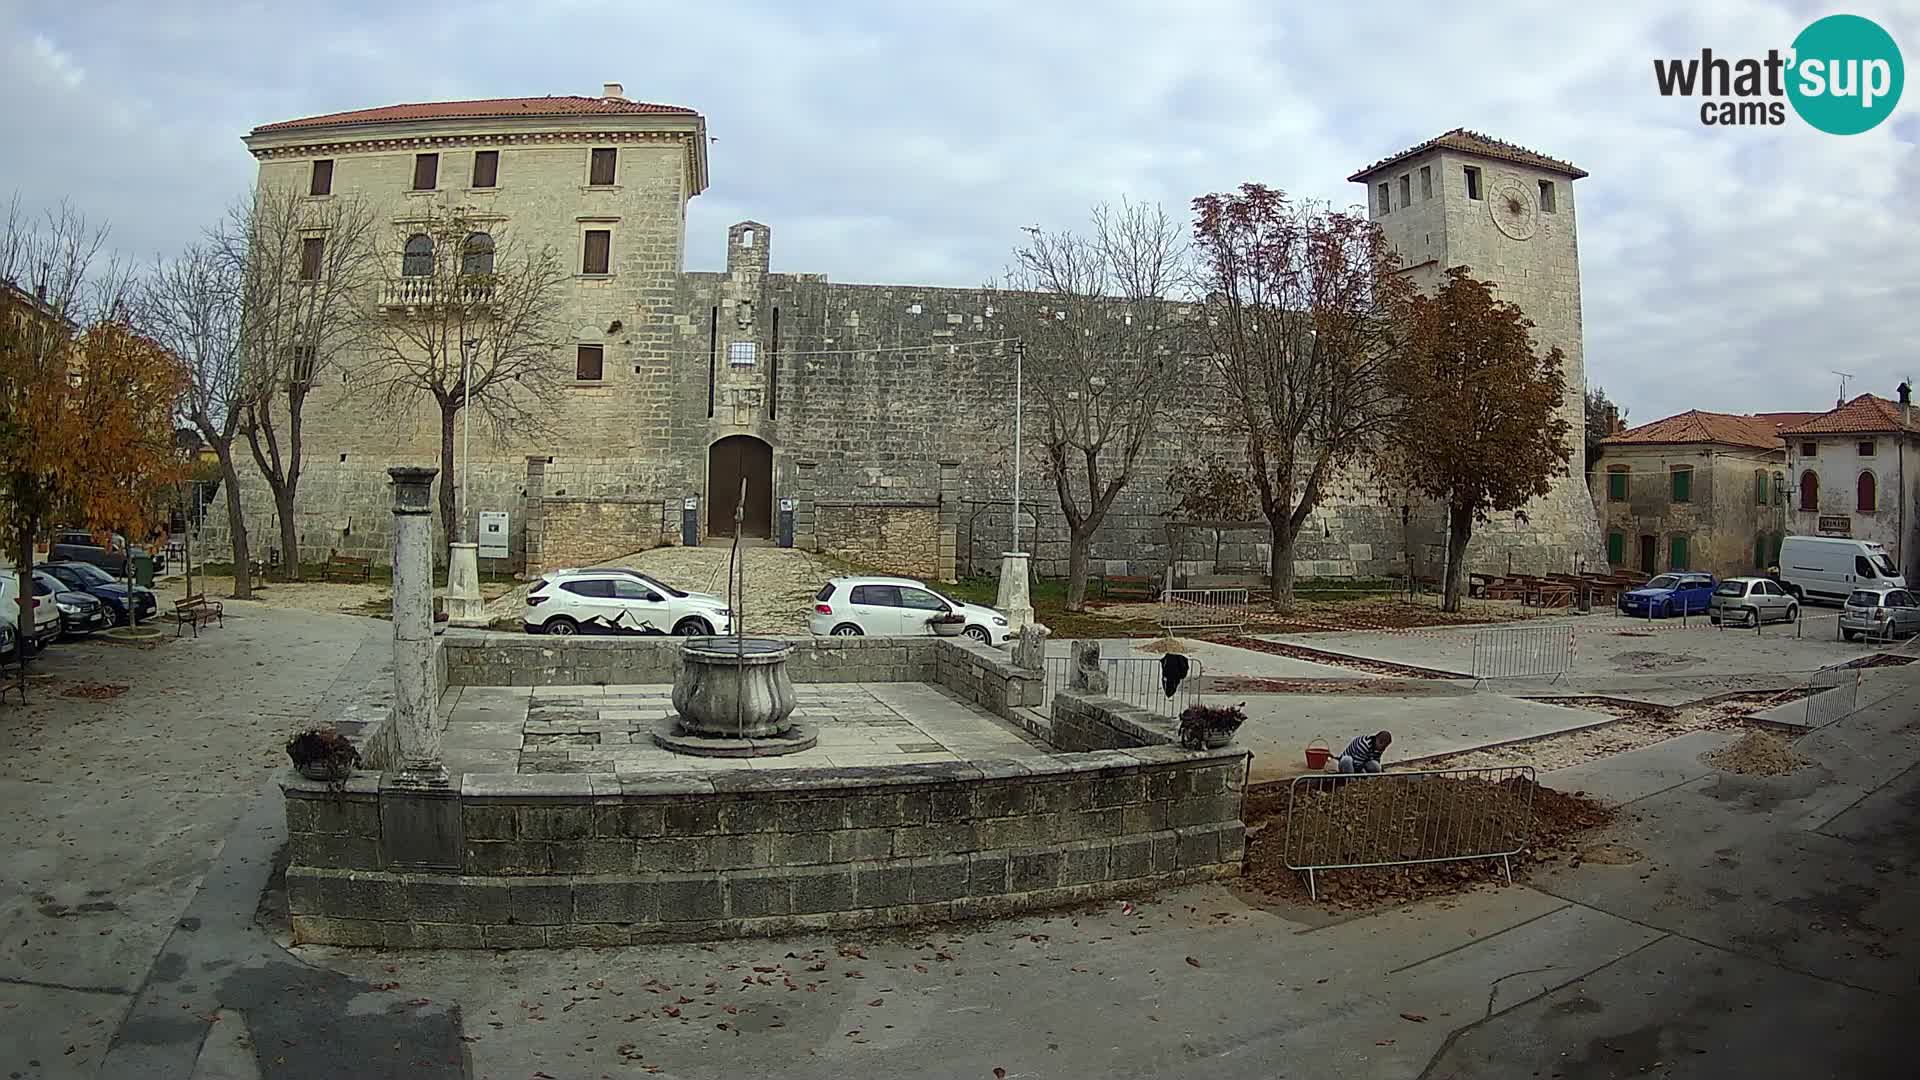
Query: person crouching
column 1363, row 754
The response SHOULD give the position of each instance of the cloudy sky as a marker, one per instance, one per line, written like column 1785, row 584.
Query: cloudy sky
column 1727, row 269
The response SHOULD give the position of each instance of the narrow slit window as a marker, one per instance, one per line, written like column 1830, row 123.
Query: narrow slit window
column 1547, row 205
column 1473, row 182
column 1386, row 198
column 1426, row 182
column 1406, row 189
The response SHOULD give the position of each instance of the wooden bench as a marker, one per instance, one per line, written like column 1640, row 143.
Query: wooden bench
column 195, row 609
column 347, row 568
column 1129, row 588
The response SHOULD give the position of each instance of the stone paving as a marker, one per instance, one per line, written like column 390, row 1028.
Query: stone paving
column 602, row 729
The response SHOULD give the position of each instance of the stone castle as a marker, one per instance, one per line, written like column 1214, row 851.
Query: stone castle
column 879, row 416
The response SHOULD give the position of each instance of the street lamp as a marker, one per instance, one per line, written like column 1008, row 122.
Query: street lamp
column 468, row 348
column 1019, row 362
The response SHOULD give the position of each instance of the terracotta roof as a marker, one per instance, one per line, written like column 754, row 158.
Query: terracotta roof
column 482, row 109
column 1472, row 142
column 1863, row 415
column 1784, row 420
column 1695, row 426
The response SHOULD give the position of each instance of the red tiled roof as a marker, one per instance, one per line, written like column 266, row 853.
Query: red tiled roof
column 1695, row 426
column 1865, row 415
column 1472, row 142
column 482, row 109
column 1785, row 420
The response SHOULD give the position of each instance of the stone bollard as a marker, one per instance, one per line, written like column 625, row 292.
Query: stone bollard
column 416, row 697
column 1030, row 647
column 1088, row 676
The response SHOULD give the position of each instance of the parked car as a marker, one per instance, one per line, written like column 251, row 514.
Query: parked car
column 102, row 586
column 1751, row 601
column 1667, row 595
column 46, row 618
column 78, row 545
column 884, row 606
column 1832, row 567
column 81, row 613
column 7, row 641
column 1879, row 613
column 620, row 602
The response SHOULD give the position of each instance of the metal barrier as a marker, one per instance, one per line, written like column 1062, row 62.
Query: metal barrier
column 1522, row 650
column 1339, row 822
column 1825, row 704
column 1203, row 609
column 1136, row 680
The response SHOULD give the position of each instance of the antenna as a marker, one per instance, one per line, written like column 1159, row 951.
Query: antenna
column 1844, row 376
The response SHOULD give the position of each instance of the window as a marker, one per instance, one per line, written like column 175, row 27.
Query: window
column 1617, row 484
column 1862, row 568
column 1683, row 484
column 486, row 168
column 746, row 238
column 426, row 172
column 1809, row 491
column 1616, row 548
column 589, row 362
column 416, row 259
column 1779, row 489
column 1386, row 198
column 476, row 255
column 877, row 595
column 312, row 253
column 322, row 181
column 1406, row 190
column 921, row 600
column 1806, row 449
column 300, row 371
column 625, row 589
column 599, row 587
column 740, row 354
column 594, row 256
column 1426, row 181
column 1866, row 448
column 1759, row 487
column 1864, row 501
column 1546, row 197
column 1473, row 182
column 1899, row 598
column 1677, row 553
column 602, row 172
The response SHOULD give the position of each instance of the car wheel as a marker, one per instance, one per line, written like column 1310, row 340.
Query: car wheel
column 560, row 626
column 693, row 626
column 1850, row 635
column 1793, row 612
column 1753, row 617
column 979, row 634
column 847, row 629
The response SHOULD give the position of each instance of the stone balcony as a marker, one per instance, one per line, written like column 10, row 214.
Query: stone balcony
column 425, row 292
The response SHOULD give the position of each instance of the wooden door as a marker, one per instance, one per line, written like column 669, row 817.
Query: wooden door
column 1648, row 553
column 732, row 459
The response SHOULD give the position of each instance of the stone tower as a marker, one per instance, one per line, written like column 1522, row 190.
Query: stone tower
column 1507, row 214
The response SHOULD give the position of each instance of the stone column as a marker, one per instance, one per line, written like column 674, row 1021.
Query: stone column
column 536, row 514
column 465, row 606
column 804, row 536
column 1013, row 600
column 416, row 695
column 949, row 538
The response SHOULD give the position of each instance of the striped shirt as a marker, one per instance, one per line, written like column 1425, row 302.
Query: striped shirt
column 1361, row 750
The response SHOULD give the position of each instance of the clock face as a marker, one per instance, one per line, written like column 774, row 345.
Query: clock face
column 1511, row 205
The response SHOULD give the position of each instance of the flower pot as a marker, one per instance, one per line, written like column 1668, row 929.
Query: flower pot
column 1215, row 738
column 947, row 629
column 326, row 769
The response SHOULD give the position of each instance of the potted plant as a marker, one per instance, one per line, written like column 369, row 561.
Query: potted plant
column 947, row 623
column 1210, row 726
column 322, row 753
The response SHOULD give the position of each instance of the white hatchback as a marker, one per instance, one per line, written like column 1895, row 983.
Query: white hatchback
column 887, row 606
column 618, row 601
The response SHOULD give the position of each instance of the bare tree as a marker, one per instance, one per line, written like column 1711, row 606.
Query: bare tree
column 467, row 319
column 1100, row 319
column 305, row 268
column 191, row 306
column 1304, row 312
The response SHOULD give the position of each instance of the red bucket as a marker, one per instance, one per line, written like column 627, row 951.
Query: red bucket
column 1317, row 754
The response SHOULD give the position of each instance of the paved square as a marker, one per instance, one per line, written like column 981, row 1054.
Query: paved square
column 609, row 729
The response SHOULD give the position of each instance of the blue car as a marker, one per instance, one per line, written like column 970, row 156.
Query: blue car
column 90, row 579
column 1669, row 594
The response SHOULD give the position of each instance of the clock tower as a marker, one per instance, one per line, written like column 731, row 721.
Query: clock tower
column 1507, row 214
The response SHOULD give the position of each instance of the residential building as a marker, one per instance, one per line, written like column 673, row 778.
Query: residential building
column 1856, row 472
column 1697, row 491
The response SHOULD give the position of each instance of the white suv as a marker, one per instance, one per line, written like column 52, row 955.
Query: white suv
column 882, row 606
column 46, row 617
column 618, row 601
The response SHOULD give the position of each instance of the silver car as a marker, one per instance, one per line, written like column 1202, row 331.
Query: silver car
column 1750, row 601
column 1879, row 614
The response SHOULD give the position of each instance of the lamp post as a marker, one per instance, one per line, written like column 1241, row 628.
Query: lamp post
column 465, row 606
column 1013, row 599
column 468, row 348
column 1019, row 385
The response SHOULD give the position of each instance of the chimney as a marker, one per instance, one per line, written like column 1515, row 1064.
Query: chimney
column 613, row 91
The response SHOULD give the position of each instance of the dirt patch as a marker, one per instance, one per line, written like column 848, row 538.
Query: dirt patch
column 1757, row 753
column 1364, row 820
column 1878, row 660
column 1609, row 854
column 94, row 691
column 1652, row 661
column 1637, row 726
column 1162, row 646
column 1248, row 684
column 1341, row 616
column 1321, row 656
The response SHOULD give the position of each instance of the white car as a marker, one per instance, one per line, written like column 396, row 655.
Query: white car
column 46, row 617
column 884, row 606
column 618, row 601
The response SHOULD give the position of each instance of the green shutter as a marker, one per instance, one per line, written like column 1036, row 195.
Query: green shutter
column 1683, row 485
column 1677, row 554
column 1617, row 485
column 1616, row 548
column 1760, row 489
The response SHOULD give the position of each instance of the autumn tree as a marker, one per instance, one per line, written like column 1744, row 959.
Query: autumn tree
column 1302, row 324
column 1211, row 492
column 1487, row 436
column 305, row 271
column 1104, row 360
column 191, row 306
column 467, row 320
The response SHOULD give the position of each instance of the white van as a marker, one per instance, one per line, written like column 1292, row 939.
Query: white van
column 1830, row 567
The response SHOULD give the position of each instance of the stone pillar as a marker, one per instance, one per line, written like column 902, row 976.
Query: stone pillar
column 804, row 536
column 416, row 694
column 535, row 518
column 949, row 538
column 1013, row 600
column 1088, row 676
column 465, row 606
column 1030, row 647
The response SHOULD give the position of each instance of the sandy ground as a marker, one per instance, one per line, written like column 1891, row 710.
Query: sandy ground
column 327, row 596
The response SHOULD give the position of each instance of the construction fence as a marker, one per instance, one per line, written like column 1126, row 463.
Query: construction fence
column 1186, row 611
column 1137, row 680
column 1520, row 651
